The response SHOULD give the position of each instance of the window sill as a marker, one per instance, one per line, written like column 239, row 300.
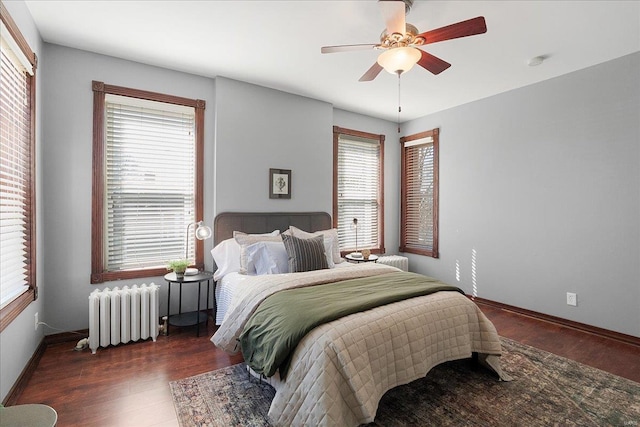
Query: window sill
column 109, row 276
column 426, row 252
column 15, row 307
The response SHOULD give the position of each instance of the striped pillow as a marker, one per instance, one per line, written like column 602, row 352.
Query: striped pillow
column 331, row 234
column 305, row 254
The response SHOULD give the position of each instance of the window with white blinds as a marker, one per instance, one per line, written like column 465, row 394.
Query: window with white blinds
column 150, row 175
column 419, row 204
column 358, row 189
column 17, row 166
column 150, row 186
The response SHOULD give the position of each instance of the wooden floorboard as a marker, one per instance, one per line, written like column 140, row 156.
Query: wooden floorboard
column 128, row 385
column 610, row 355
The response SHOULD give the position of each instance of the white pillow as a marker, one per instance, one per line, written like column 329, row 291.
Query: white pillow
column 328, row 251
column 227, row 255
column 331, row 234
column 245, row 240
column 268, row 258
column 227, row 258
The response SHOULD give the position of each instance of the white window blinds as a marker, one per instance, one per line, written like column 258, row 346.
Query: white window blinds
column 420, row 191
column 16, row 213
column 150, row 182
column 358, row 188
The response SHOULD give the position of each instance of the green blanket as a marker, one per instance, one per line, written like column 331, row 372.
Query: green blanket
column 284, row 318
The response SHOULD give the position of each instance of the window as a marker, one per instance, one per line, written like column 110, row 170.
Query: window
column 419, row 194
column 17, row 172
column 147, row 186
column 358, row 159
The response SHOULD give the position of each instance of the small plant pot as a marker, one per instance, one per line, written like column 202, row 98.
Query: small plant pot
column 179, row 275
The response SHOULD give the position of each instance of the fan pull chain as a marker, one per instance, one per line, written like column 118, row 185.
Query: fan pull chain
column 399, row 105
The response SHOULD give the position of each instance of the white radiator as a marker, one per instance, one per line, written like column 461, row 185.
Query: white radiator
column 395, row 260
column 122, row 315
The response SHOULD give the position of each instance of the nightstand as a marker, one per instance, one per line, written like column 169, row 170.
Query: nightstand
column 193, row 317
column 372, row 258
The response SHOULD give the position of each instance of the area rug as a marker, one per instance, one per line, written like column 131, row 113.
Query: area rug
column 546, row 390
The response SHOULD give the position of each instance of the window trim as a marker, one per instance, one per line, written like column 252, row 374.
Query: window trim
column 337, row 131
column 100, row 89
column 434, row 133
column 15, row 307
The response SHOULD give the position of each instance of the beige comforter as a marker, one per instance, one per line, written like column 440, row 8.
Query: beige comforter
column 340, row 370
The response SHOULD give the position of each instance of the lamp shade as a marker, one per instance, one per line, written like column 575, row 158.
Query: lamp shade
column 203, row 232
column 399, row 59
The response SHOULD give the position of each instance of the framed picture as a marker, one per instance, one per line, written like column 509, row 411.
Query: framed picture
column 279, row 183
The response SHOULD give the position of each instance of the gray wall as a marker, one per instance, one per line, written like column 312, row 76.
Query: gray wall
column 349, row 120
column 19, row 340
column 540, row 196
column 259, row 128
column 68, row 104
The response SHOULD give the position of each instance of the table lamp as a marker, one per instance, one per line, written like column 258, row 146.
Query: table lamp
column 202, row 232
column 354, row 226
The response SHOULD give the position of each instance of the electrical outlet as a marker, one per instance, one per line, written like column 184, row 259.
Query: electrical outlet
column 36, row 316
column 572, row 299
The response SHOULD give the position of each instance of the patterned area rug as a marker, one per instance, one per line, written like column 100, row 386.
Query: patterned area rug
column 546, row 390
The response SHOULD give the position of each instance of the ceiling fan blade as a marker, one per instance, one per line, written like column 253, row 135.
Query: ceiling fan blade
column 371, row 73
column 347, row 48
column 466, row 28
column 432, row 63
column 393, row 15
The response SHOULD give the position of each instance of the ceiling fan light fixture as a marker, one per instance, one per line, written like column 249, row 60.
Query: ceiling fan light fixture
column 399, row 60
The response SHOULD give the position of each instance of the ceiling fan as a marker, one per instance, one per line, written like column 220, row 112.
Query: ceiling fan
column 401, row 41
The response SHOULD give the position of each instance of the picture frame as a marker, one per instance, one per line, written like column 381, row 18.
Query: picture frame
column 279, row 183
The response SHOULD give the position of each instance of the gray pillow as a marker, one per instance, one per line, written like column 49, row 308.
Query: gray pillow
column 305, row 254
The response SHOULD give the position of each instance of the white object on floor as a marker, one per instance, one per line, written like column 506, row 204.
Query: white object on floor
column 32, row 415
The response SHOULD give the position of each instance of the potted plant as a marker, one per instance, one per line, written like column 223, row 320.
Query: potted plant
column 178, row 266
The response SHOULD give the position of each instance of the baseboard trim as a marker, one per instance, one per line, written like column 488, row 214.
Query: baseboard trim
column 605, row 333
column 66, row 337
column 26, row 374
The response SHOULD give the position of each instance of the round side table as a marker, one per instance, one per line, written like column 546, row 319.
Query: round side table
column 193, row 317
column 372, row 258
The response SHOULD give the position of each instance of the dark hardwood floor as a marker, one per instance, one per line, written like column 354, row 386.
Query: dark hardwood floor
column 616, row 357
column 128, row 385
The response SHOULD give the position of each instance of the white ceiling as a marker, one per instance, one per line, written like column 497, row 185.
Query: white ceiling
column 277, row 44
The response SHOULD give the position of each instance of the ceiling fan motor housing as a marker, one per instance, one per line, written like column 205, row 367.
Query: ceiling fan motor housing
column 388, row 41
column 407, row 5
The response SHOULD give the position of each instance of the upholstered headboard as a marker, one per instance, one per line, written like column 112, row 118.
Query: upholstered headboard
column 264, row 222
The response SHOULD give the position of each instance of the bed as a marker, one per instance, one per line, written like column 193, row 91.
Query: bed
column 339, row 370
